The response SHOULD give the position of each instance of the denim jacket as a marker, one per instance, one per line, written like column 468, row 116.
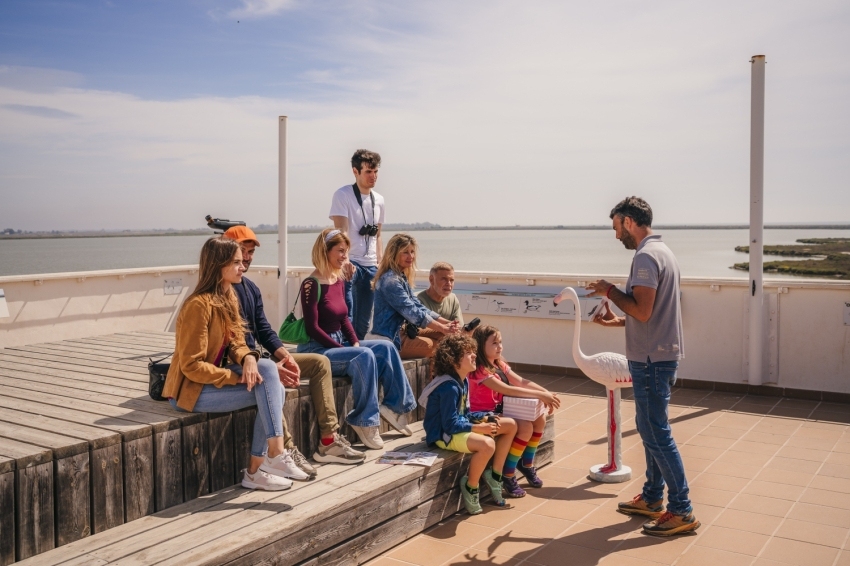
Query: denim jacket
column 395, row 303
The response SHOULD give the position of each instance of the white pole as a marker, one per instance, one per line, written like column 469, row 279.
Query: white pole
column 756, row 334
column 282, row 241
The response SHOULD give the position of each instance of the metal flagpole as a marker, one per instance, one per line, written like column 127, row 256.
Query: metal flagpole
column 282, row 241
column 756, row 330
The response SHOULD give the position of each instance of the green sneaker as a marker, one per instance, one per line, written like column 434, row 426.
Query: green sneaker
column 494, row 486
column 669, row 524
column 470, row 500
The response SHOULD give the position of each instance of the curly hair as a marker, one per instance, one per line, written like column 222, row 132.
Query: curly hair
column 449, row 352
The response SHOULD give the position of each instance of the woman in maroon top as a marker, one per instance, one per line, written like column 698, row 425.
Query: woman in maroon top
column 368, row 362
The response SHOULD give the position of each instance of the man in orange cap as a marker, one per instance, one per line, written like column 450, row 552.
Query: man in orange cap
column 314, row 367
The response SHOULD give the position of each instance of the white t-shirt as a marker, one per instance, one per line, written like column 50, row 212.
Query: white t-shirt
column 344, row 203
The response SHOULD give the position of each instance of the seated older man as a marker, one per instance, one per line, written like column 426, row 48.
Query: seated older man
column 438, row 296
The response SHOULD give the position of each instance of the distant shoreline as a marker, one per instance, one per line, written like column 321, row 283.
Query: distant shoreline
column 427, row 227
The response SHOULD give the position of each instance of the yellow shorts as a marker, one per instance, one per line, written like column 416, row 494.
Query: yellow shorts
column 458, row 443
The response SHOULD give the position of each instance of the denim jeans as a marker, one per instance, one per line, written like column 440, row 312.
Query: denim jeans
column 360, row 298
column 652, row 382
column 268, row 396
column 375, row 362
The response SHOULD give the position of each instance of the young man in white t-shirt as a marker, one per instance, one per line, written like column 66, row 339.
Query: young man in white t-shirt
column 361, row 219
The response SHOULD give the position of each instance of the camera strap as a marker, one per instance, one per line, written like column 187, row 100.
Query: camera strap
column 359, row 198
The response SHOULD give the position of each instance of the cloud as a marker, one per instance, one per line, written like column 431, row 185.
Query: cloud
column 41, row 111
column 251, row 9
column 544, row 114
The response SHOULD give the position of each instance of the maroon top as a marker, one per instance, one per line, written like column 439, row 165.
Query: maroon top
column 327, row 316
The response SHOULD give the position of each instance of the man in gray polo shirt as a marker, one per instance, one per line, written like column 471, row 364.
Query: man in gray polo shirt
column 654, row 345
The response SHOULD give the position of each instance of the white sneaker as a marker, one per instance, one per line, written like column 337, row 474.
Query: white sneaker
column 284, row 466
column 370, row 436
column 398, row 422
column 263, row 480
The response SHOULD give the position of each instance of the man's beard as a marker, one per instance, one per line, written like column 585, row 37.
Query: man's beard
column 629, row 241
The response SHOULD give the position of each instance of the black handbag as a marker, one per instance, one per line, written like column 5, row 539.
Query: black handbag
column 156, row 374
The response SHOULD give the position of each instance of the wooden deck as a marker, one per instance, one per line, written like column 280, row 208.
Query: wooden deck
column 83, row 449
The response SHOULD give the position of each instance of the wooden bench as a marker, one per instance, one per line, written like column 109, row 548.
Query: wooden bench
column 83, row 449
column 349, row 514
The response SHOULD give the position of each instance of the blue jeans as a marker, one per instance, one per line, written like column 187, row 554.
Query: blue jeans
column 360, row 298
column 652, row 382
column 268, row 396
column 375, row 362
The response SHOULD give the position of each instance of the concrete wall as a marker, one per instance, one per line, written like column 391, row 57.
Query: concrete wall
column 810, row 347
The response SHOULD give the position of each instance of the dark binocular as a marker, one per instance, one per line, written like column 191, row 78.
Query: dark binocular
column 222, row 224
column 369, row 230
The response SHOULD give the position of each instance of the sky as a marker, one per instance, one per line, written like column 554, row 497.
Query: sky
column 152, row 114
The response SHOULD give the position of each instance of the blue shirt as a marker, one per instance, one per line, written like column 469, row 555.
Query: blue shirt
column 395, row 303
column 446, row 411
column 251, row 307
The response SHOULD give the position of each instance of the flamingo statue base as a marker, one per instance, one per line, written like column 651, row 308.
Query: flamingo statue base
column 614, row 471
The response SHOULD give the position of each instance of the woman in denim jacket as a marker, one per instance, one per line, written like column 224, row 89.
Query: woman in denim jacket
column 399, row 316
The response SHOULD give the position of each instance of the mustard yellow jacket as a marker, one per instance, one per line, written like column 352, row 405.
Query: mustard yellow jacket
column 199, row 337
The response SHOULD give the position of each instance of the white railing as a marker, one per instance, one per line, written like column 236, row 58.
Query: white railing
column 807, row 342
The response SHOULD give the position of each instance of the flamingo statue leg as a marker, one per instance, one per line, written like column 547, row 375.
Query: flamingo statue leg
column 614, row 471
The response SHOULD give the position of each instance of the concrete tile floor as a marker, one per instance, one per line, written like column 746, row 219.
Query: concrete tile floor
column 769, row 477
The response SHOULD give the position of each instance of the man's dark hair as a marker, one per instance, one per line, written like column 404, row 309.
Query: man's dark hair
column 635, row 208
column 362, row 156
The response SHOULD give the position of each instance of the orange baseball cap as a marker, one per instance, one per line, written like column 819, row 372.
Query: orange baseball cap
column 242, row 234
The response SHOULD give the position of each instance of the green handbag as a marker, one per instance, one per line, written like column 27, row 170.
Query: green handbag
column 292, row 331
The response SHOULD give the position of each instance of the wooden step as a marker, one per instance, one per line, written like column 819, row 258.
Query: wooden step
column 349, row 514
column 77, row 425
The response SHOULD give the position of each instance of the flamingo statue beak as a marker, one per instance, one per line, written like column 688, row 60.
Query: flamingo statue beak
column 559, row 297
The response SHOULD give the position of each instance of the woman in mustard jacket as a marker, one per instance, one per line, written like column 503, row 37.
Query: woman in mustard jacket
column 212, row 369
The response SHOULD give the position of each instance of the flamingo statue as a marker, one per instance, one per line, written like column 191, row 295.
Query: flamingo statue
column 612, row 371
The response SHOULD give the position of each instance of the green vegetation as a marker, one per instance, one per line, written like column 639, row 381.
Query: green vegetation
column 830, row 258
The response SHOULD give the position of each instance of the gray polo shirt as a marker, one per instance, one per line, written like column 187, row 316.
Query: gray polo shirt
column 659, row 339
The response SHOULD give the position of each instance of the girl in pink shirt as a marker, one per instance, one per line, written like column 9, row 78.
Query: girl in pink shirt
column 494, row 379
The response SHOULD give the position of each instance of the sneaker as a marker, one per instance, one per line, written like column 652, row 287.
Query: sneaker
column 530, row 474
column 494, row 486
column 370, row 436
column 637, row 506
column 302, row 463
column 397, row 421
column 338, row 452
column 669, row 524
column 284, row 466
column 511, row 487
column 264, row 480
column 470, row 500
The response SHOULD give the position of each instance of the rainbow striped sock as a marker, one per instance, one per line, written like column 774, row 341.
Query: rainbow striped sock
column 515, row 453
column 530, row 449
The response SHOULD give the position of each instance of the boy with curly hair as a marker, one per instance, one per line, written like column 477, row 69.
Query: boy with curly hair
column 450, row 425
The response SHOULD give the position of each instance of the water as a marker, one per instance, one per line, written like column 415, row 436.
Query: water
column 701, row 253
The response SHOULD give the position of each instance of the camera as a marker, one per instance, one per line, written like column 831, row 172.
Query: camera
column 411, row 330
column 472, row 324
column 369, row 230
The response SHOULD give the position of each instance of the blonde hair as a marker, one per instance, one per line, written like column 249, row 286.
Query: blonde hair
column 216, row 254
column 323, row 246
column 389, row 261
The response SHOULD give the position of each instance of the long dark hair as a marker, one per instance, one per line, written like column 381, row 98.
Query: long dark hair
column 216, row 254
column 481, row 335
